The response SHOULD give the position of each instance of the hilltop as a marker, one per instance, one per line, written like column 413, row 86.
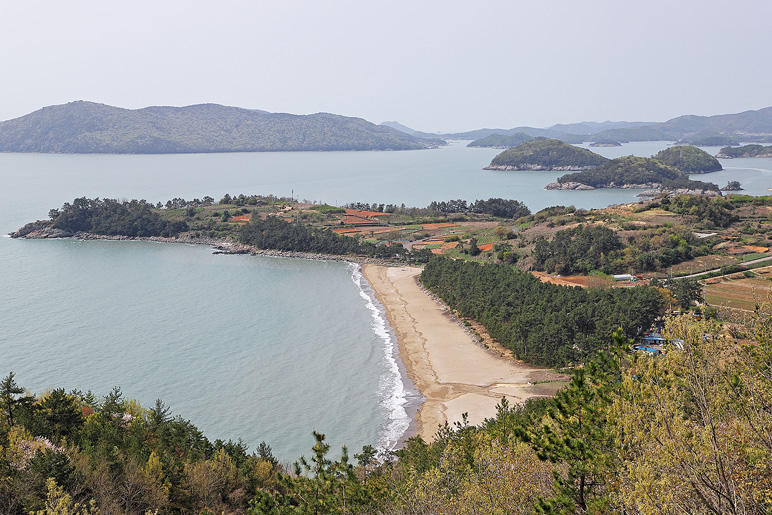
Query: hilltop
column 91, row 128
column 688, row 159
column 546, row 154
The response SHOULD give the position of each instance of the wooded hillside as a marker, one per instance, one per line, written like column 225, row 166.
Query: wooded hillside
column 88, row 128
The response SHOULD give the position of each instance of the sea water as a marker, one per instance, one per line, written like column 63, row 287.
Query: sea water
column 257, row 348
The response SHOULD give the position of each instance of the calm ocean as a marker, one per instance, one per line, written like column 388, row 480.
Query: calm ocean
column 263, row 349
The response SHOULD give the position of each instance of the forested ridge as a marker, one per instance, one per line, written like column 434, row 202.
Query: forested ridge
column 87, row 128
column 541, row 323
column 747, row 125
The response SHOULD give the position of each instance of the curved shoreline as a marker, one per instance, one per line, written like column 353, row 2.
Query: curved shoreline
column 219, row 246
column 447, row 365
column 454, row 373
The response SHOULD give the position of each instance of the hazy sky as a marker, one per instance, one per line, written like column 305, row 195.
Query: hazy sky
column 432, row 65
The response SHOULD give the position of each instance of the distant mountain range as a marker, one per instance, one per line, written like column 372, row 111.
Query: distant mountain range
column 745, row 126
column 88, row 128
column 748, row 126
column 576, row 132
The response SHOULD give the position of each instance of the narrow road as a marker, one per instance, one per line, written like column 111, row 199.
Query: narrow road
column 752, row 261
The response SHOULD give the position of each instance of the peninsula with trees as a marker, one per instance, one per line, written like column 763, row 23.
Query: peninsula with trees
column 648, row 236
column 83, row 453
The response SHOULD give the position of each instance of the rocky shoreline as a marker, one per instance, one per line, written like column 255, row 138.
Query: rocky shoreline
column 611, row 185
column 653, row 189
column 530, row 167
column 567, row 186
column 42, row 230
column 679, row 191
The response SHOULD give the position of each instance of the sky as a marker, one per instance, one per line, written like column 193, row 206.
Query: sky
column 435, row 66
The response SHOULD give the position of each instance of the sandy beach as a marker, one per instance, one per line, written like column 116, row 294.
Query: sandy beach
column 451, row 370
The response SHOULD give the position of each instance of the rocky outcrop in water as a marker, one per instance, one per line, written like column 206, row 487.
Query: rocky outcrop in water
column 538, row 168
column 40, row 230
column 568, row 186
column 670, row 192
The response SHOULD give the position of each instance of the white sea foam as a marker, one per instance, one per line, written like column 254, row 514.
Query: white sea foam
column 392, row 392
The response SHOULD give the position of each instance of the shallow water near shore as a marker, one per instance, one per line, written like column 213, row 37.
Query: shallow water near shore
column 258, row 348
column 248, row 347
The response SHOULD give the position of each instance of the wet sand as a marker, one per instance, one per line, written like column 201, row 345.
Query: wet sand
column 451, row 370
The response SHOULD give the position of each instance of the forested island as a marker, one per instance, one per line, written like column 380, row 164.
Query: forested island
column 546, row 154
column 688, row 159
column 745, row 151
column 606, row 143
column 501, row 140
column 632, row 172
column 91, row 128
column 710, row 140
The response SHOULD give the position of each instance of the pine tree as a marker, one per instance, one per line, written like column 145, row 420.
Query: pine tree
column 576, row 432
column 8, row 400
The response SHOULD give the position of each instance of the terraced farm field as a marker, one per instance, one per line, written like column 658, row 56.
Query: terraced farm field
column 740, row 293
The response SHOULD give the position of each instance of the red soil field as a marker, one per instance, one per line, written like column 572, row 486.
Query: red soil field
column 365, row 214
column 431, row 227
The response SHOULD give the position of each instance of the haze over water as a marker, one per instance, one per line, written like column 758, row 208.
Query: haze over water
column 251, row 347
